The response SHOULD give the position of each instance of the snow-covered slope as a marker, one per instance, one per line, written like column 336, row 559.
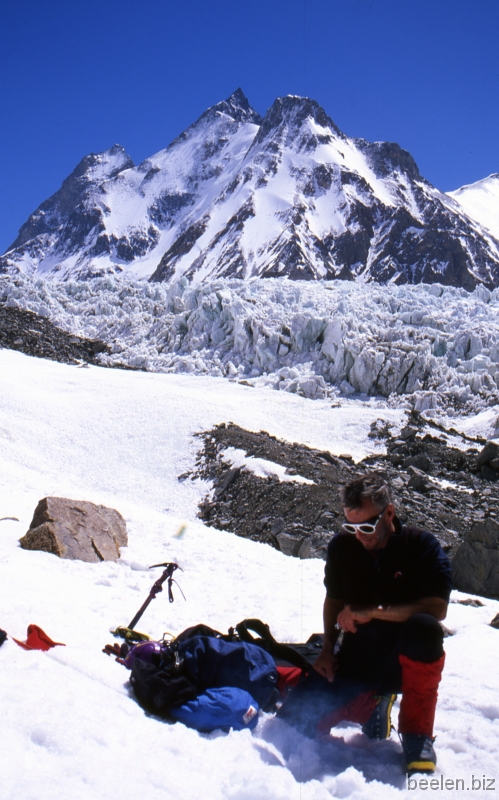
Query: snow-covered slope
column 241, row 196
column 480, row 201
column 72, row 728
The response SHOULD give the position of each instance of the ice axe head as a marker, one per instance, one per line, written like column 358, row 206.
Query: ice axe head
column 167, row 564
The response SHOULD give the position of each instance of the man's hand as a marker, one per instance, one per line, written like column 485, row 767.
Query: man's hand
column 351, row 616
column 326, row 664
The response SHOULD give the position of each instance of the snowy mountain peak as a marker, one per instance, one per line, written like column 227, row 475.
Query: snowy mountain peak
column 238, row 195
column 291, row 112
column 227, row 115
column 237, row 106
column 491, row 179
column 235, row 109
column 92, row 169
column 97, row 167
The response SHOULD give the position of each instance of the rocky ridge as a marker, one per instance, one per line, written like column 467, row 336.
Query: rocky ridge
column 37, row 336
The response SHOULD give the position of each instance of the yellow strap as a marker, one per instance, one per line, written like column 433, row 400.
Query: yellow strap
column 130, row 635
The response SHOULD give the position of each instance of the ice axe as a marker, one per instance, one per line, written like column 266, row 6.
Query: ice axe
column 128, row 633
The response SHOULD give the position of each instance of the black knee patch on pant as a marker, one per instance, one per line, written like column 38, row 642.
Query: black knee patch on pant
column 422, row 639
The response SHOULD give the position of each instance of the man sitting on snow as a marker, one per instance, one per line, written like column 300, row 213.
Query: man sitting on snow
column 387, row 587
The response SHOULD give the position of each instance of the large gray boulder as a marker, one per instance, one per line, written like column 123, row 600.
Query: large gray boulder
column 418, row 480
column 475, row 566
column 488, row 453
column 76, row 529
column 290, row 545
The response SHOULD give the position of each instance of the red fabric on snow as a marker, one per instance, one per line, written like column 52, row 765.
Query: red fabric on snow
column 419, row 695
column 37, row 639
column 287, row 678
column 357, row 710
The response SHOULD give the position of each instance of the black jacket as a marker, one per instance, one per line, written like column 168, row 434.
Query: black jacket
column 410, row 567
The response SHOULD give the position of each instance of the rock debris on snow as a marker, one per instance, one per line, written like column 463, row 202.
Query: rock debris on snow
column 475, row 567
column 449, row 499
column 36, row 335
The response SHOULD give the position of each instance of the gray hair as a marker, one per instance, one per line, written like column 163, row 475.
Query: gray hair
column 371, row 487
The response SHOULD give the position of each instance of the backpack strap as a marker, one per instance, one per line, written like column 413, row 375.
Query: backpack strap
column 282, row 652
column 257, row 626
column 200, row 630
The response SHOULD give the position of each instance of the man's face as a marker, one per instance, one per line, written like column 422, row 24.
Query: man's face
column 384, row 527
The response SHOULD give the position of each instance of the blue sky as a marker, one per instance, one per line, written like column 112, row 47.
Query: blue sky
column 77, row 77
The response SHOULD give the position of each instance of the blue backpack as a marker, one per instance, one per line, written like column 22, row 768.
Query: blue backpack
column 211, row 663
column 204, row 680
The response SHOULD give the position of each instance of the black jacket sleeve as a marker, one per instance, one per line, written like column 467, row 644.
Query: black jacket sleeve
column 332, row 572
column 432, row 568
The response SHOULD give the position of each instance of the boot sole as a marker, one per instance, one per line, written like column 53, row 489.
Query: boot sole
column 420, row 766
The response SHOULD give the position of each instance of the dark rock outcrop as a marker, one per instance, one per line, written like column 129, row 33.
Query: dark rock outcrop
column 475, row 567
column 36, row 336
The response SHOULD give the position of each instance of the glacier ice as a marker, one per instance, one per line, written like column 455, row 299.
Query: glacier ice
column 434, row 348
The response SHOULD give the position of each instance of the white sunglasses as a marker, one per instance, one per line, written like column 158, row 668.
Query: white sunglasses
column 367, row 528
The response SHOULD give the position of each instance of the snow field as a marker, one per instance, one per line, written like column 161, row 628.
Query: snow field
column 261, row 467
column 480, row 201
column 72, row 727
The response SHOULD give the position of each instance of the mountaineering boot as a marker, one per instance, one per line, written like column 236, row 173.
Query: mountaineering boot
column 419, row 753
column 379, row 725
